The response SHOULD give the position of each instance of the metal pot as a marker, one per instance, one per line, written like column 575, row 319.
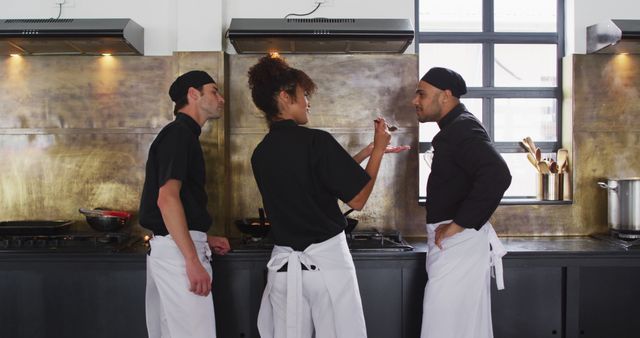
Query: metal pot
column 106, row 220
column 623, row 204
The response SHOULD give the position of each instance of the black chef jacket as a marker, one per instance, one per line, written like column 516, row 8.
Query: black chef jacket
column 176, row 154
column 468, row 176
column 301, row 174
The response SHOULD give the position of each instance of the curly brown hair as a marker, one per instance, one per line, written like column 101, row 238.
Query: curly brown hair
column 270, row 76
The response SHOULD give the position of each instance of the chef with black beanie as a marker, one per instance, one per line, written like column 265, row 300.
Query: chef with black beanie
column 174, row 207
column 467, row 181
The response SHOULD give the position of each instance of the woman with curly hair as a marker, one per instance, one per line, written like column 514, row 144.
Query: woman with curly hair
column 301, row 173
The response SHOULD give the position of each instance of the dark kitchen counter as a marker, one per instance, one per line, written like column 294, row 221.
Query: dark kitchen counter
column 517, row 247
column 557, row 246
column 556, row 282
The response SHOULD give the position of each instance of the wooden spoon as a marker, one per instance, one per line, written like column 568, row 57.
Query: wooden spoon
column 533, row 161
column 526, row 147
column 538, row 154
column 562, row 156
column 544, row 167
column 530, row 143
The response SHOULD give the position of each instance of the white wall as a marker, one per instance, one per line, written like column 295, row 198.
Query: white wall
column 589, row 12
column 198, row 25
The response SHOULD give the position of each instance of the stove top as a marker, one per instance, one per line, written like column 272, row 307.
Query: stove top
column 358, row 241
column 69, row 242
column 625, row 240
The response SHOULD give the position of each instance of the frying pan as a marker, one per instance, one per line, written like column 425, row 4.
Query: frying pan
column 106, row 220
column 33, row 227
column 351, row 223
column 259, row 227
column 256, row 227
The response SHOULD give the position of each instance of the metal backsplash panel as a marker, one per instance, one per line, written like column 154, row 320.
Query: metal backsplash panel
column 352, row 90
column 604, row 102
column 75, row 131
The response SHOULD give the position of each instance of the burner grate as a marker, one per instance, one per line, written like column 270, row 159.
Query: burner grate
column 358, row 241
column 67, row 242
column 624, row 240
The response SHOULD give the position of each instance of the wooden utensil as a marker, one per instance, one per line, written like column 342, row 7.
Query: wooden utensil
column 538, row 154
column 533, row 161
column 526, row 147
column 562, row 157
column 531, row 144
column 544, row 167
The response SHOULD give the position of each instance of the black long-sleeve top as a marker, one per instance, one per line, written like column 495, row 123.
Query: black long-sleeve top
column 468, row 176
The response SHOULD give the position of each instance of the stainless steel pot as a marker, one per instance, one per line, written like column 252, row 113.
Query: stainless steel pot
column 623, row 204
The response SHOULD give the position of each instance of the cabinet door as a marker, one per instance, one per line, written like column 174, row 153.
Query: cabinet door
column 237, row 291
column 414, row 279
column 531, row 303
column 380, row 286
column 72, row 299
column 608, row 303
column 22, row 309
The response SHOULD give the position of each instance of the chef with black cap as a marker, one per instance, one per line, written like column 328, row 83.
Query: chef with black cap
column 467, row 181
column 174, row 207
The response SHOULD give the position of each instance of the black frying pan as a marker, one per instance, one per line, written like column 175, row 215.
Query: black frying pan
column 33, row 227
column 351, row 223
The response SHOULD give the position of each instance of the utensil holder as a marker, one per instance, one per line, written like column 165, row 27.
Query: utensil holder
column 550, row 187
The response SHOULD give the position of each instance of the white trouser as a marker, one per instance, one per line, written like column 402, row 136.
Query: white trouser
column 324, row 299
column 172, row 310
column 457, row 298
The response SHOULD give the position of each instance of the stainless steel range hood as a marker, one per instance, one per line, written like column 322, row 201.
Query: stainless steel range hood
column 614, row 36
column 71, row 36
column 320, row 35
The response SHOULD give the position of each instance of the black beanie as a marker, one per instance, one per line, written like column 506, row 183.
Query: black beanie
column 443, row 79
column 194, row 78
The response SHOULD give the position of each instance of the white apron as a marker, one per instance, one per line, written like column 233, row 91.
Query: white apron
column 457, row 298
column 324, row 299
column 172, row 311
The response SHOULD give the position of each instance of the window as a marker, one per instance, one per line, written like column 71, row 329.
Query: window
column 509, row 53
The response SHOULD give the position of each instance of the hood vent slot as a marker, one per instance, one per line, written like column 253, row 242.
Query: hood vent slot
column 71, row 37
column 320, row 35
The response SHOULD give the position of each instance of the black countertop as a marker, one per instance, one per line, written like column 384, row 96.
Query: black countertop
column 561, row 246
column 517, row 247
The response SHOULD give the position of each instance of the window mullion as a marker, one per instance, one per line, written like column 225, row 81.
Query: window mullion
column 416, row 38
column 487, row 16
column 560, row 55
column 488, row 68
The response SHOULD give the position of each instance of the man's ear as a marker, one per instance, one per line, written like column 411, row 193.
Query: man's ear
column 447, row 95
column 193, row 93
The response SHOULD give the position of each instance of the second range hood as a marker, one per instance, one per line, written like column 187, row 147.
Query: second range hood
column 614, row 36
column 320, row 35
column 71, row 36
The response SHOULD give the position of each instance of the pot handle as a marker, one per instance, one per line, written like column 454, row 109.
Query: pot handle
column 606, row 186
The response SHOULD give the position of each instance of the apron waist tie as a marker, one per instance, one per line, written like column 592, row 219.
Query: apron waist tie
column 294, row 261
column 497, row 252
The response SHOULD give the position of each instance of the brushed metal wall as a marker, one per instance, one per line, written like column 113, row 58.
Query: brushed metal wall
column 352, row 90
column 602, row 129
column 75, row 131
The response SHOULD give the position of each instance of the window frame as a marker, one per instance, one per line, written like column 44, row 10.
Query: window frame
column 488, row 38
